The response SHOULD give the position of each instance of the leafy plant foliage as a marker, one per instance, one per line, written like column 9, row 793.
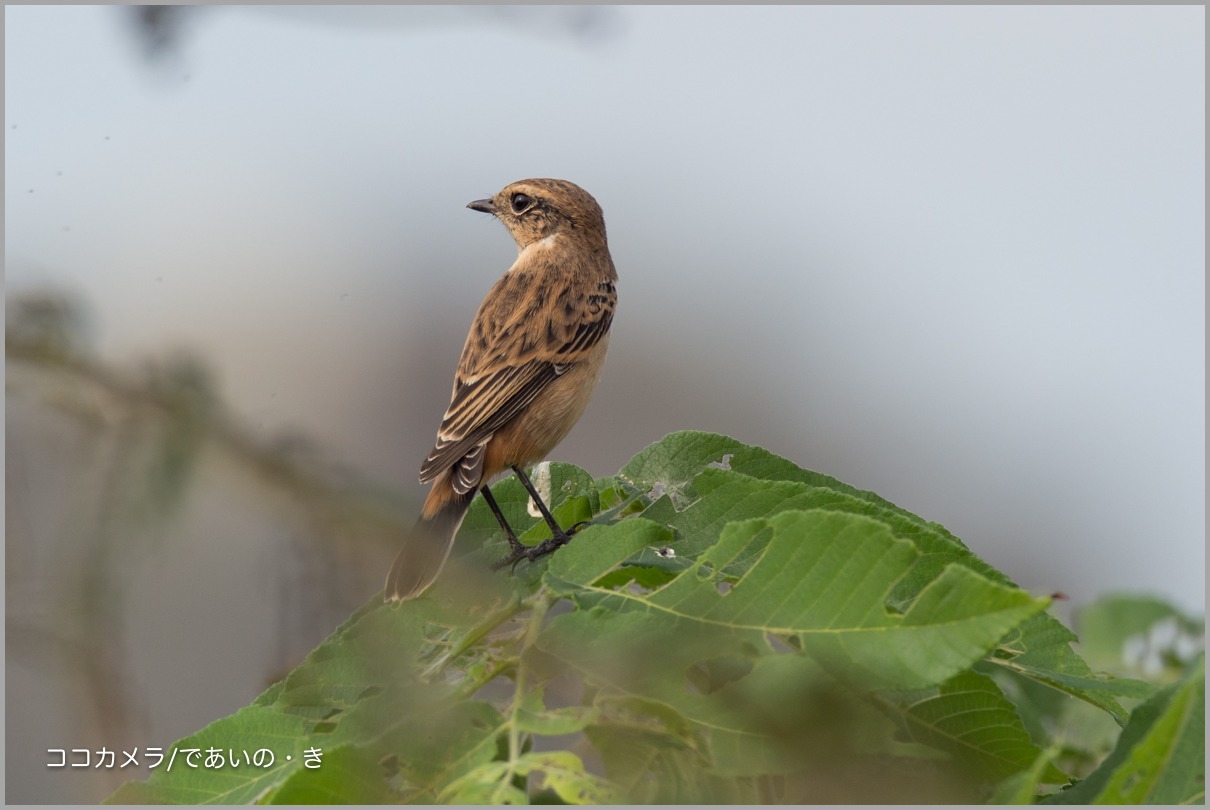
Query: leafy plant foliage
column 731, row 628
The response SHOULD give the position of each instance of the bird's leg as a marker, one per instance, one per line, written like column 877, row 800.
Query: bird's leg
column 518, row 550
column 558, row 538
column 555, row 530
column 513, row 542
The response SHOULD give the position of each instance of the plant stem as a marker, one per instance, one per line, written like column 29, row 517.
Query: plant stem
column 540, row 604
column 473, row 636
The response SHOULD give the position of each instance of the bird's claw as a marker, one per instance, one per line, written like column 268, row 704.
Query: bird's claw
column 519, row 551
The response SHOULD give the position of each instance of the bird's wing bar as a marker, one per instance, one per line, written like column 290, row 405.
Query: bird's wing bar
column 588, row 334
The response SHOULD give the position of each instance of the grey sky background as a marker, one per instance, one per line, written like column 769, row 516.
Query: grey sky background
column 954, row 255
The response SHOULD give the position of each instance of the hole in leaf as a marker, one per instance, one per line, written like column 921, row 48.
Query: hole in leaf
column 783, row 644
column 636, row 589
column 323, row 728
column 616, row 579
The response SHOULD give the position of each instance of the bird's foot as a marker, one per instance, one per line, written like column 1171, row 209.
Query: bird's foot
column 518, row 551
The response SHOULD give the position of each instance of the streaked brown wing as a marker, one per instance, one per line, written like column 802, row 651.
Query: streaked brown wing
column 481, row 408
column 514, row 350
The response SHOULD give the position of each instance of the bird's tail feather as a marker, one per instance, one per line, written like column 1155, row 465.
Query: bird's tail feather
column 424, row 553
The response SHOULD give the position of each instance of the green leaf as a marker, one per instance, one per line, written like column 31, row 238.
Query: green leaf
column 1080, row 733
column 1160, row 757
column 669, row 468
column 698, row 499
column 1023, row 787
column 716, row 497
column 564, row 773
column 969, row 717
column 484, row 784
column 433, row 750
column 534, row 718
column 825, row 576
column 1040, row 650
column 651, row 763
column 598, row 550
column 345, row 775
column 360, row 697
column 238, row 737
column 703, row 649
column 673, row 461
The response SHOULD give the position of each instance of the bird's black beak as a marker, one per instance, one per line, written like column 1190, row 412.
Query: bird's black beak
column 486, row 206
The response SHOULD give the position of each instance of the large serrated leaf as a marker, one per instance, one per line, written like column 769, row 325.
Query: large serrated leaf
column 715, row 479
column 678, row 457
column 825, row 577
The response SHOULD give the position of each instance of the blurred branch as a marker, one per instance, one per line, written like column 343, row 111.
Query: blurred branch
column 159, row 30
column 43, row 330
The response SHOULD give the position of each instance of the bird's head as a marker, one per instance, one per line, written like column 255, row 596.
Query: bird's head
column 534, row 210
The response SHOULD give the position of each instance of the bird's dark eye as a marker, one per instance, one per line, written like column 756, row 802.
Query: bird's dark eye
column 520, row 202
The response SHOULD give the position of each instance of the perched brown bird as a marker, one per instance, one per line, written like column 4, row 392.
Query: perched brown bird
column 530, row 363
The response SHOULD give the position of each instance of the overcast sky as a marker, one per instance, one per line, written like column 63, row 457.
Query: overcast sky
column 951, row 254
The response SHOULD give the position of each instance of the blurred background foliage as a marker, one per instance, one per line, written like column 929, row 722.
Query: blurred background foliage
column 146, row 530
